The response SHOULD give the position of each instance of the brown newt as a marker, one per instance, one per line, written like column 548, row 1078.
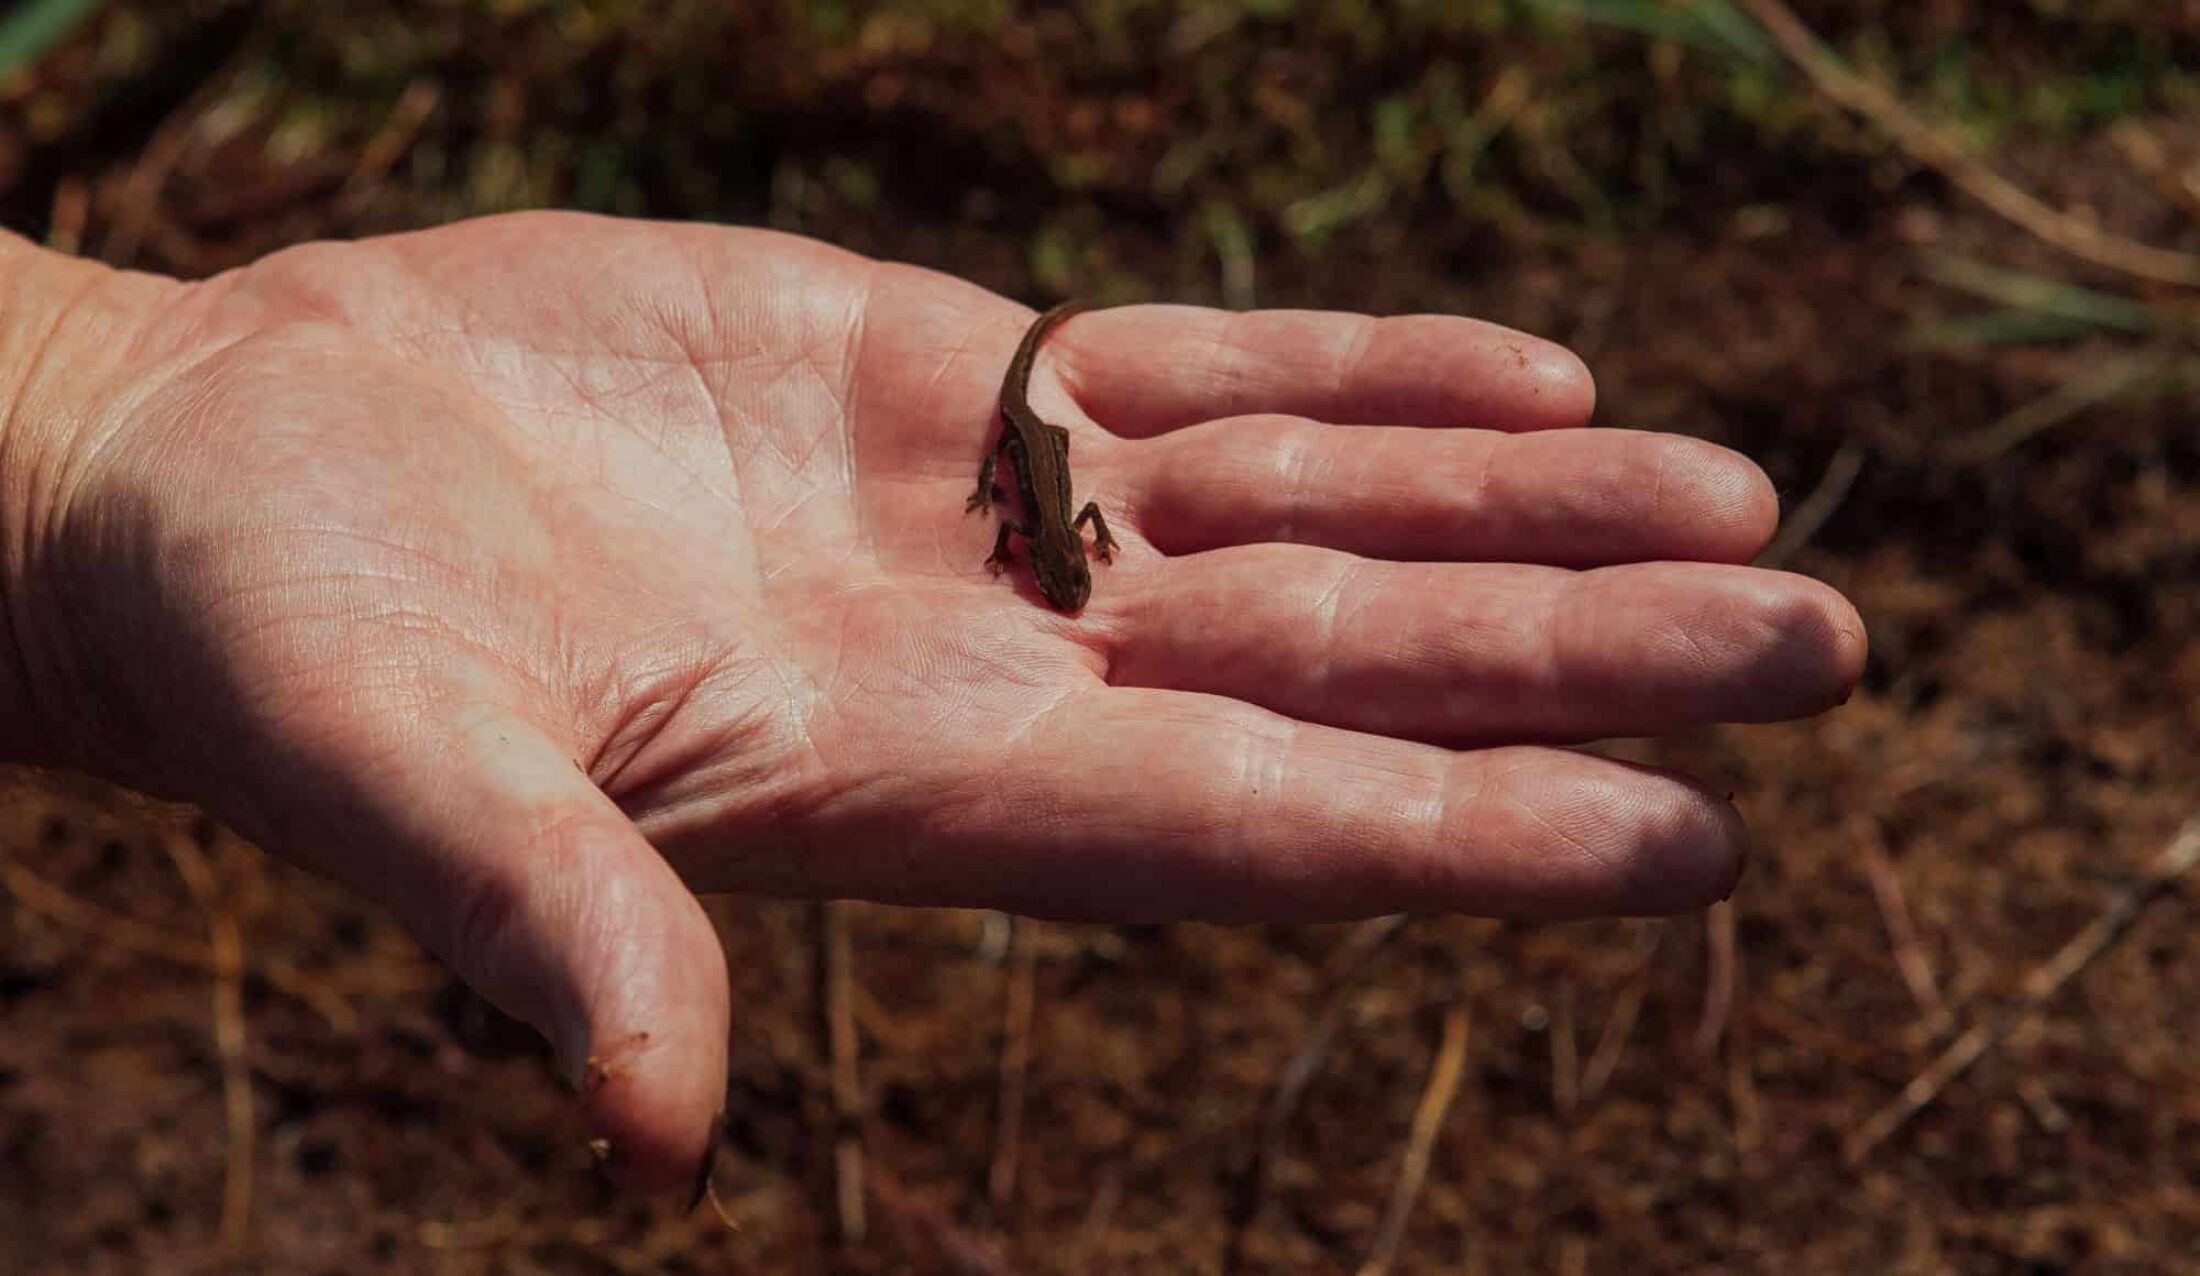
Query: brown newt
column 1040, row 452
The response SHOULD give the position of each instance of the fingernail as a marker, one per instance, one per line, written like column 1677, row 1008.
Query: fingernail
column 574, row 1056
column 1741, row 870
column 709, row 1166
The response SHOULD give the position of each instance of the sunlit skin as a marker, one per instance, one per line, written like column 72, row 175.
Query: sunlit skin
column 532, row 573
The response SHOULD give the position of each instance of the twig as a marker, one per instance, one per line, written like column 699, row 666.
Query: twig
column 2041, row 1104
column 1612, row 1042
column 1565, row 1055
column 1573, row 1256
column 1720, row 964
column 1234, row 250
column 227, row 946
column 1833, row 488
column 414, row 107
column 499, row 1241
column 1428, row 1120
column 967, row 1252
column 1342, row 974
column 1099, row 1213
column 140, row 191
column 2040, row 983
column 72, row 205
column 1016, row 1016
column 718, row 1207
column 2144, row 151
column 1741, row 1090
column 1894, row 909
column 1933, row 148
column 44, row 898
column 836, row 962
column 995, row 929
column 2103, row 384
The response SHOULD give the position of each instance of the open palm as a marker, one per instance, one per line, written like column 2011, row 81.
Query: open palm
column 532, row 572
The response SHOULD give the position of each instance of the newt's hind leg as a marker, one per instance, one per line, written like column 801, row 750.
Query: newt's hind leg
column 1001, row 559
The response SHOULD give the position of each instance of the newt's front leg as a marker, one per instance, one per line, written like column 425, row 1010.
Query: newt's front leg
column 989, row 492
column 1103, row 544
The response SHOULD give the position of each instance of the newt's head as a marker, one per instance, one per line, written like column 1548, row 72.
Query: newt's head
column 1065, row 579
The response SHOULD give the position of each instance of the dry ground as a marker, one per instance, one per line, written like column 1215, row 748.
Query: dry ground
column 1736, row 258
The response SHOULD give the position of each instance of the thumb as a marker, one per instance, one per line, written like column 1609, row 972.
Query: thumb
column 508, row 863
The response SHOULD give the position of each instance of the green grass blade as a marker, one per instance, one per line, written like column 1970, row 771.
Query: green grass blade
column 26, row 34
column 2042, row 296
column 2127, row 377
column 1714, row 26
column 2001, row 328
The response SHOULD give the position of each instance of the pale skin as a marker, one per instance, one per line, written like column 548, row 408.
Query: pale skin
column 532, row 574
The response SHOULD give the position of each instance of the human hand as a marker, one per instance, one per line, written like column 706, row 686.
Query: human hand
column 528, row 573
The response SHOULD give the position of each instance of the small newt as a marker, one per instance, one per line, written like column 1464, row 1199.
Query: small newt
column 1040, row 452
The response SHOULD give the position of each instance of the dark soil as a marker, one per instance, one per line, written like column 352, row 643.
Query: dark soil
column 1736, row 261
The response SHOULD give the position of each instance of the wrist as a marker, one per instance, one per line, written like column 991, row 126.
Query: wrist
column 69, row 332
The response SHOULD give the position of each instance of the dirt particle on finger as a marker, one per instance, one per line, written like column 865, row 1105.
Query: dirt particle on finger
column 611, row 1062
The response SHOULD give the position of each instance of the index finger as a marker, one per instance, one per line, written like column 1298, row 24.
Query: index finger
column 1146, row 370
